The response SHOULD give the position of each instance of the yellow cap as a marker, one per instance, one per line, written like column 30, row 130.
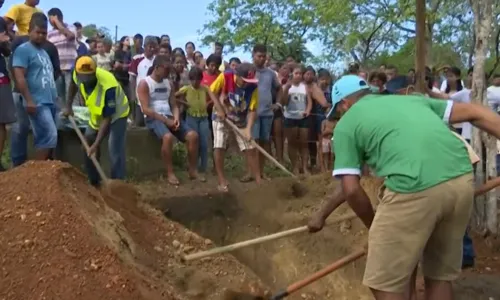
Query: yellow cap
column 85, row 65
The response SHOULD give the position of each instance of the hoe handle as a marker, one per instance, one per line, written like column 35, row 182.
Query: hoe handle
column 261, row 150
column 87, row 147
column 320, row 274
column 260, row 240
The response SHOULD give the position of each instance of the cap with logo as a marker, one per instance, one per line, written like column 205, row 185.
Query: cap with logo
column 85, row 68
column 247, row 72
column 344, row 87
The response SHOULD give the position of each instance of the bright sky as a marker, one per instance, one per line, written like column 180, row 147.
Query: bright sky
column 181, row 20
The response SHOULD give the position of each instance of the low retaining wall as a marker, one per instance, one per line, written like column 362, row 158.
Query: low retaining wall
column 143, row 153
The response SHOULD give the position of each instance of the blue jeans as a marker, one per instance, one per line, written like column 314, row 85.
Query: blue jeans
column 43, row 124
column 200, row 125
column 19, row 133
column 116, row 147
column 261, row 130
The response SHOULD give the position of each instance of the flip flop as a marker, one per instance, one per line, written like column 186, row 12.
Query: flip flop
column 246, row 179
column 202, row 178
column 223, row 188
column 175, row 181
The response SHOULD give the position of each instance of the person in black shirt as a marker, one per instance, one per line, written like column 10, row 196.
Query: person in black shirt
column 7, row 108
column 20, row 130
column 121, row 63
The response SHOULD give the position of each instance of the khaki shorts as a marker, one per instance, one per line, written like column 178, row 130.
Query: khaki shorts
column 221, row 137
column 427, row 226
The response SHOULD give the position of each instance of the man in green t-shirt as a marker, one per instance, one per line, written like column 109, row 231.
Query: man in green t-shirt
column 425, row 207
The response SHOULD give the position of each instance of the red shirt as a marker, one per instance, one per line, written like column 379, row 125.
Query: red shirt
column 208, row 79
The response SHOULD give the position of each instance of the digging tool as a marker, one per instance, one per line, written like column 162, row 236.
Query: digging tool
column 261, row 150
column 479, row 191
column 113, row 187
column 261, row 239
column 320, row 274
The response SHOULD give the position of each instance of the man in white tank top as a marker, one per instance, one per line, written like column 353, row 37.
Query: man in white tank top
column 163, row 117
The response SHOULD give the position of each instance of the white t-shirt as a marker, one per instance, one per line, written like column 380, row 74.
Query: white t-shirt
column 159, row 96
column 297, row 102
column 492, row 95
column 464, row 97
column 143, row 68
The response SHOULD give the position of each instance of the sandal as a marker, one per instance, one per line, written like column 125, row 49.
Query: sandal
column 173, row 181
column 246, row 179
column 223, row 188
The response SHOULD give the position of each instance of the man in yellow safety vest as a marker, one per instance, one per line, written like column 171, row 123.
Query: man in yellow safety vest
column 109, row 109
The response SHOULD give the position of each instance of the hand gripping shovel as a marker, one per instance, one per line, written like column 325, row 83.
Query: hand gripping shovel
column 113, row 188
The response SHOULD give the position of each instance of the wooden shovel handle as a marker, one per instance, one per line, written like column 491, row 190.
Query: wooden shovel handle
column 261, row 150
column 320, row 274
column 86, row 146
column 260, row 240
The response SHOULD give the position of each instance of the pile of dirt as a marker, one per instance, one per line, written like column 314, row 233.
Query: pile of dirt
column 61, row 239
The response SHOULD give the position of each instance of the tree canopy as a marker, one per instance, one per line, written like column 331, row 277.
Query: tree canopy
column 369, row 32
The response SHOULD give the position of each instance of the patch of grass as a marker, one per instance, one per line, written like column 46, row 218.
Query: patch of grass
column 5, row 159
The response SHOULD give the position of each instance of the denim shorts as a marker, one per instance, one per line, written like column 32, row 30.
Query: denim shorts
column 262, row 128
column 43, row 123
column 293, row 123
column 160, row 129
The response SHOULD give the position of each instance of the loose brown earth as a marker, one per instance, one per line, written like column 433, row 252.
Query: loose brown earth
column 61, row 239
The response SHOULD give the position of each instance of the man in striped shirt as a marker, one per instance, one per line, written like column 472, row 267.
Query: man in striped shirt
column 63, row 37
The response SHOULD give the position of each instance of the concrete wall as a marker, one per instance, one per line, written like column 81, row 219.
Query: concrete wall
column 143, row 153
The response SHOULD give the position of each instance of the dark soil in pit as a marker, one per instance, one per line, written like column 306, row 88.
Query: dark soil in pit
column 248, row 212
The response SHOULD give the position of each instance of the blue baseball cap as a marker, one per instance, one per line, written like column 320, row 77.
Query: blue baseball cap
column 345, row 86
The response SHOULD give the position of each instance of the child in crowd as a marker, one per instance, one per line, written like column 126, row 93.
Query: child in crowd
column 297, row 103
column 327, row 144
column 103, row 58
column 324, row 84
column 195, row 95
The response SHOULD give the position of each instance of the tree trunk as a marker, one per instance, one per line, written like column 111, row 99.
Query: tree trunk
column 486, row 207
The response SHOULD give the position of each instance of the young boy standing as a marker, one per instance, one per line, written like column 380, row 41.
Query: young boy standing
column 239, row 94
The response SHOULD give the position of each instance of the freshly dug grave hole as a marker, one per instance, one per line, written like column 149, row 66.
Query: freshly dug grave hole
column 241, row 215
column 246, row 214
column 61, row 239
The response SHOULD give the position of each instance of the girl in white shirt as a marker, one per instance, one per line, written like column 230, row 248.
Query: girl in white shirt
column 297, row 103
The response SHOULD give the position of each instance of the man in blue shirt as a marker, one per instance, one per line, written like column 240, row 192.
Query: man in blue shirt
column 34, row 77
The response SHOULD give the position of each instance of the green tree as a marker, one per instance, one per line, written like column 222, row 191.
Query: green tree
column 92, row 30
column 284, row 26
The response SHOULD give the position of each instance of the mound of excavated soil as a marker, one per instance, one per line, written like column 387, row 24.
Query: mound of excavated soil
column 60, row 239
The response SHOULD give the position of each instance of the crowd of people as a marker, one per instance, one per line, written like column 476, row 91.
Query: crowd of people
column 180, row 95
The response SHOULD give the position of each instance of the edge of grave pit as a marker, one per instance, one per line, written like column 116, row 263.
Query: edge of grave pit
column 143, row 152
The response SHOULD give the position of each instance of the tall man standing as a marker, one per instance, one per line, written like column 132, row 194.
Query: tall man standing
column 34, row 77
column 20, row 15
column 64, row 38
column 109, row 109
column 268, row 86
column 428, row 195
